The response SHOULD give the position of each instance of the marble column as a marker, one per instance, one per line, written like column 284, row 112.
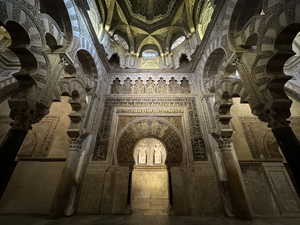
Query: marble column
column 236, row 192
column 67, row 177
column 8, row 152
column 290, row 148
column 23, row 119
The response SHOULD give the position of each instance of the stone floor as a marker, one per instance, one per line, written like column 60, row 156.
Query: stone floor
column 144, row 212
column 135, row 219
column 150, row 206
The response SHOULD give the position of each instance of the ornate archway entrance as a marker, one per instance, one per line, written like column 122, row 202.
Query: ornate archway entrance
column 150, row 186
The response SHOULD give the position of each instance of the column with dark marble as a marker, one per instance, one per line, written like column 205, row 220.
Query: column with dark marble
column 23, row 119
column 276, row 118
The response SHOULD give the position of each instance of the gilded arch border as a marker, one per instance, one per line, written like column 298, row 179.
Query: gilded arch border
column 183, row 140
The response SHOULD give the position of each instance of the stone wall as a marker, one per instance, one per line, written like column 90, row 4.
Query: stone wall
column 265, row 177
column 40, row 161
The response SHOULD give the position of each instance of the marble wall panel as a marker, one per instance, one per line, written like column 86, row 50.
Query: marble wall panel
column 208, row 190
column 108, row 192
column 31, row 188
column 180, row 202
column 261, row 198
column 121, row 191
column 142, row 157
column 191, row 193
column 283, row 189
column 91, row 193
column 149, row 183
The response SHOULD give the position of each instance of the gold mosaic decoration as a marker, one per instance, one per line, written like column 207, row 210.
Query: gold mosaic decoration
column 189, row 103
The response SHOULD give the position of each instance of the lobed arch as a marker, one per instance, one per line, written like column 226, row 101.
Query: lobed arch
column 174, row 33
column 275, row 48
column 149, row 137
column 20, row 46
column 211, row 46
column 29, row 43
column 76, row 91
column 87, row 63
column 51, row 27
column 212, row 63
column 57, row 10
column 214, row 69
column 181, row 151
column 228, row 89
column 233, row 88
column 67, row 87
column 89, row 53
column 244, row 21
column 51, row 42
column 153, row 41
column 149, row 47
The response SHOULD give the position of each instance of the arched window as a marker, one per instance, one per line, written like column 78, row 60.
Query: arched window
column 121, row 41
column 149, row 54
column 177, row 42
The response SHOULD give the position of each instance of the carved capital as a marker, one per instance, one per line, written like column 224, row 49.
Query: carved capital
column 275, row 117
column 75, row 143
column 25, row 113
column 24, row 118
column 224, row 143
column 237, row 62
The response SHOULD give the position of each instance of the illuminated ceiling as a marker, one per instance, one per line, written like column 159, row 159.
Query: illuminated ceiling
column 150, row 24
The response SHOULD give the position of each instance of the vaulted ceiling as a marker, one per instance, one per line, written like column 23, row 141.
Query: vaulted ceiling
column 150, row 24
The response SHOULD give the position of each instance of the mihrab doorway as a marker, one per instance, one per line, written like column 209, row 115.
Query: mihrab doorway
column 150, row 186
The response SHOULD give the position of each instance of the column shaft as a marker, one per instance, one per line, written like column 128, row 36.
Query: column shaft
column 8, row 152
column 290, row 147
column 240, row 207
column 62, row 191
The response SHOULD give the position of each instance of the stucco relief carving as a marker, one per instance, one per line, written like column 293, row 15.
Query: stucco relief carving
column 185, row 87
column 173, row 86
column 116, row 87
column 161, row 86
column 149, row 152
column 151, row 86
column 127, row 86
column 139, row 86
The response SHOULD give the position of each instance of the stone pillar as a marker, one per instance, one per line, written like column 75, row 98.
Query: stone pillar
column 66, row 179
column 236, row 192
column 240, row 207
column 23, row 119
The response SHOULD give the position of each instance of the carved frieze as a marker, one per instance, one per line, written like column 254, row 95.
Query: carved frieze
column 173, row 86
column 185, row 87
column 139, row 86
column 150, row 87
column 116, row 87
column 161, row 86
column 127, row 86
